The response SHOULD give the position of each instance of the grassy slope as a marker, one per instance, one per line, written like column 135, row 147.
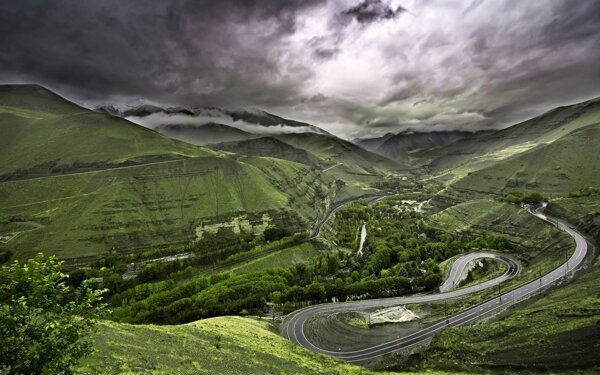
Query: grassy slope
column 135, row 207
column 269, row 146
column 584, row 212
column 246, row 346
column 37, row 127
column 399, row 146
column 556, row 333
column 124, row 209
column 334, row 150
column 285, row 258
column 565, row 165
column 459, row 158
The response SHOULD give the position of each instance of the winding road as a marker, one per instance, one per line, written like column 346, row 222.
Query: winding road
column 293, row 326
column 460, row 269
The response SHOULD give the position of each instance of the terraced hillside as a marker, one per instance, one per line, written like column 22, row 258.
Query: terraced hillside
column 158, row 205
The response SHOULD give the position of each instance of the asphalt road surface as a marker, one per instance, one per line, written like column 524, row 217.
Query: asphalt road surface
column 460, row 269
column 293, row 327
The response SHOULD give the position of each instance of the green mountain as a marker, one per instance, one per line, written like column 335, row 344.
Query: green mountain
column 273, row 147
column 568, row 164
column 337, row 152
column 129, row 210
column 399, row 146
column 554, row 154
column 108, row 185
column 467, row 155
column 43, row 133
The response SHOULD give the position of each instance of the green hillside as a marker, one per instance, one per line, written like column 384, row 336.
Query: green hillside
column 533, row 240
column 105, row 185
column 333, row 150
column 156, row 205
column 269, row 146
column 399, row 146
column 42, row 131
column 467, row 155
column 228, row 345
column 555, row 169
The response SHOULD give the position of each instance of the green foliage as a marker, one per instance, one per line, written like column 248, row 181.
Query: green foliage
column 588, row 191
column 5, row 255
column 198, row 298
column 520, row 197
column 44, row 324
column 401, row 257
column 275, row 233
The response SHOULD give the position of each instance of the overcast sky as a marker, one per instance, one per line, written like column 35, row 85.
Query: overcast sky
column 355, row 68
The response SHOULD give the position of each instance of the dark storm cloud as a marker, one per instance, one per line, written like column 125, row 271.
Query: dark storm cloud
column 372, row 10
column 352, row 67
column 218, row 52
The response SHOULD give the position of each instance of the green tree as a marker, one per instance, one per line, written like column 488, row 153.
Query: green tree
column 44, row 324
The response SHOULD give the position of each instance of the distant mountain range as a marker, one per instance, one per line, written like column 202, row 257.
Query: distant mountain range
column 399, row 146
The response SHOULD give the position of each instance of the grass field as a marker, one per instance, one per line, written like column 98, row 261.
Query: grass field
column 227, row 345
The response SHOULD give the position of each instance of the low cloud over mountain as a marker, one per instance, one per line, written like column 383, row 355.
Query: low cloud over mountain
column 355, row 68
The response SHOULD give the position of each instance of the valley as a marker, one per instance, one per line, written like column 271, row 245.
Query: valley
column 279, row 245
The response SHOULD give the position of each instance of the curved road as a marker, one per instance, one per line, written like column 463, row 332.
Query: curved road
column 459, row 268
column 293, row 328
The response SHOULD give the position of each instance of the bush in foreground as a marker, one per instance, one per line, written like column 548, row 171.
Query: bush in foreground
column 44, row 324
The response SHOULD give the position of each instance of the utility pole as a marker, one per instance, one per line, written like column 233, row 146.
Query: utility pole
column 499, row 293
column 446, row 311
